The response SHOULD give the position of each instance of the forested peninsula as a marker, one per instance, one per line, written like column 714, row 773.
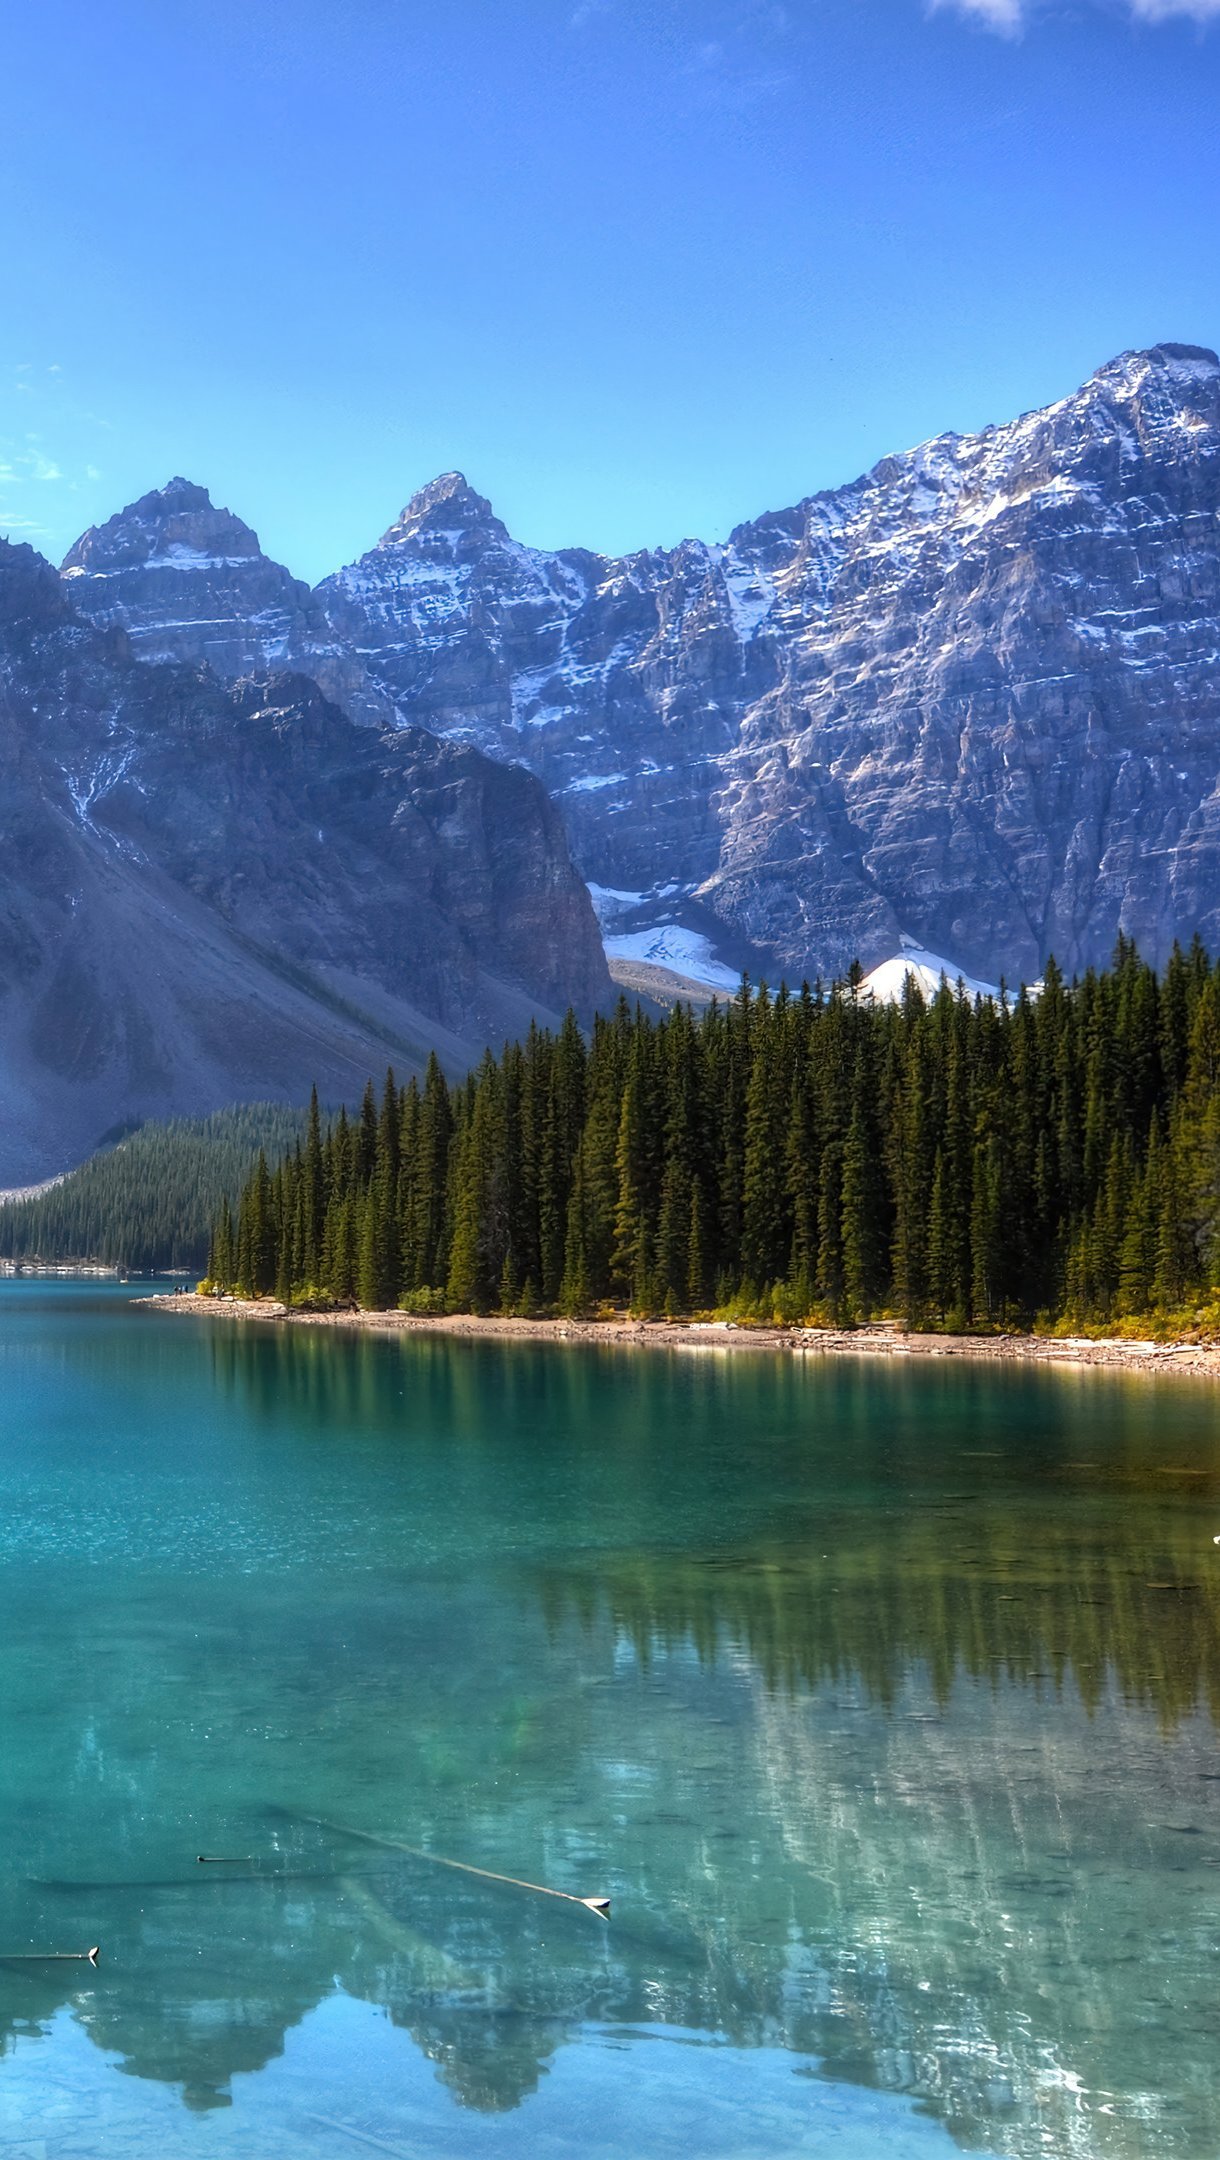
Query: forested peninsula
column 957, row 1164
column 149, row 1200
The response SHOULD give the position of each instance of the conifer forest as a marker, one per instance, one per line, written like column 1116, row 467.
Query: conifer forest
column 149, row 1201
column 953, row 1163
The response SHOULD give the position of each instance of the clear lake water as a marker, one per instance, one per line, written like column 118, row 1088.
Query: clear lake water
column 881, row 1698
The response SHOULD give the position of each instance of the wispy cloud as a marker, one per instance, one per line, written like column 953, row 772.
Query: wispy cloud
column 48, row 448
column 24, row 465
column 1155, row 11
column 1005, row 16
column 730, row 51
column 40, row 467
column 742, row 56
column 1008, row 18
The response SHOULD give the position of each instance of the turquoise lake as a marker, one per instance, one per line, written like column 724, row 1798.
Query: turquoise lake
column 881, row 1699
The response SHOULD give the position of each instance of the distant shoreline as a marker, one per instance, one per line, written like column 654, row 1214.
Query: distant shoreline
column 1202, row 1359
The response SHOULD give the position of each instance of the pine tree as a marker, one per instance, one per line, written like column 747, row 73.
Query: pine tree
column 911, row 1166
column 986, row 1251
column 345, row 1252
column 864, row 1231
column 942, row 1242
column 574, row 1288
column 599, row 1147
column 377, row 1287
column 831, row 1275
column 366, row 1139
column 802, row 1166
column 632, row 1256
column 220, row 1254
column 410, row 1259
column 766, row 1223
column 284, row 1192
column 1176, row 1259
column 260, row 1251
column 697, row 1275
column 480, row 1240
column 1137, row 1259
column 313, row 1189
column 428, row 1232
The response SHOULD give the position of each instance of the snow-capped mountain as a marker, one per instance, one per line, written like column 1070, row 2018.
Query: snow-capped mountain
column 971, row 699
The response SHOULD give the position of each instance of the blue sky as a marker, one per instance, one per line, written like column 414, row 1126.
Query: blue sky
column 640, row 268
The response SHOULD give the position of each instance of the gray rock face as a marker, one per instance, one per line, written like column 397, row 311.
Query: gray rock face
column 972, row 699
column 209, row 894
column 995, row 725
column 190, row 582
column 621, row 684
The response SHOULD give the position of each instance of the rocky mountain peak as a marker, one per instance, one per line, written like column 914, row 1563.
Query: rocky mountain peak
column 1163, row 387
column 1186, row 362
column 447, row 508
column 174, row 527
column 188, row 581
column 180, row 493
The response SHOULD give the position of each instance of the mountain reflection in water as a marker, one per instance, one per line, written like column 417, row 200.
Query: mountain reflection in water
column 881, row 1701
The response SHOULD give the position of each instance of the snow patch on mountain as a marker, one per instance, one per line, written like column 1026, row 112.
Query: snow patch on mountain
column 670, row 945
column 667, row 944
column 751, row 595
column 886, row 982
column 611, row 904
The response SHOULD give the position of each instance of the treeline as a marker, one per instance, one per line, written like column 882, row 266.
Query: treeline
column 151, row 1201
column 959, row 1164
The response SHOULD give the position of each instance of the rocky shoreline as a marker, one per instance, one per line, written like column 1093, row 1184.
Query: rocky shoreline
column 720, row 1336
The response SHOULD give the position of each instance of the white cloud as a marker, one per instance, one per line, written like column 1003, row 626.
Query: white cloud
column 740, row 60
column 18, row 468
column 1157, row 11
column 1008, row 18
column 767, row 19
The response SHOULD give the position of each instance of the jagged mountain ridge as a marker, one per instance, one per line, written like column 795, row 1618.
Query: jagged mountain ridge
column 211, row 893
column 970, row 700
